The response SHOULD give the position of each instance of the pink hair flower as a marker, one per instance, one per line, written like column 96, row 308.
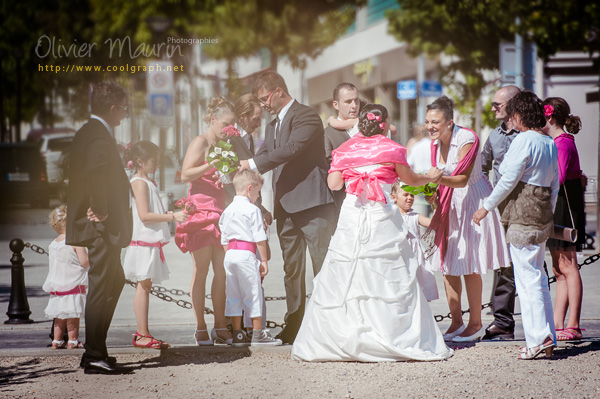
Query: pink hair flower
column 548, row 110
column 382, row 125
column 130, row 165
column 370, row 116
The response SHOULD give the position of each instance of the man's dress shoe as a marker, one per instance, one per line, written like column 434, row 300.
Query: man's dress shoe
column 494, row 332
column 110, row 360
column 104, row 367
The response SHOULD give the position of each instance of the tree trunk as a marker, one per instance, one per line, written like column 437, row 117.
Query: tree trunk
column 274, row 60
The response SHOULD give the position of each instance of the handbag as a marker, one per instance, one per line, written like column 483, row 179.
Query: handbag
column 565, row 233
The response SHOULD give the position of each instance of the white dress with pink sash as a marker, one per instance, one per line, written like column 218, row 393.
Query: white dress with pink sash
column 144, row 258
column 367, row 304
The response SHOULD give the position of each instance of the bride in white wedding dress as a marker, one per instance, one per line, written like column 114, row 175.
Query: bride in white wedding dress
column 367, row 304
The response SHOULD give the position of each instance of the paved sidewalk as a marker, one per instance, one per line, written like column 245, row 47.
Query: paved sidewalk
column 175, row 324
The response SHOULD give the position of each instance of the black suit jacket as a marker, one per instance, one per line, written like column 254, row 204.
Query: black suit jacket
column 297, row 158
column 243, row 153
column 98, row 180
column 333, row 139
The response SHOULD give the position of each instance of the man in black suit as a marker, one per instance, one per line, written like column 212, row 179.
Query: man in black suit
column 100, row 218
column 347, row 104
column 303, row 204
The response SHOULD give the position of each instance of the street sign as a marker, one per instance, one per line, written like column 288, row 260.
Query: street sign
column 431, row 88
column 161, row 104
column 159, row 83
column 407, row 90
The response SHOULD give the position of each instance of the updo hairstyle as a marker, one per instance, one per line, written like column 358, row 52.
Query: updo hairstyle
column 529, row 108
column 144, row 150
column 562, row 115
column 58, row 219
column 372, row 127
column 218, row 106
column 444, row 105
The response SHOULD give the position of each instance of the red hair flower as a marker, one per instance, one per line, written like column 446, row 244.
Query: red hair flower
column 548, row 110
column 230, row 131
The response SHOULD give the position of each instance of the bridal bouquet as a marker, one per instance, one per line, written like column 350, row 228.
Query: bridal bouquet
column 186, row 205
column 226, row 159
column 427, row 190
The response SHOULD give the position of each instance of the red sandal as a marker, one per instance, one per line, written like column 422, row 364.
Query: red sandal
column 569, row 334
column 153, row 344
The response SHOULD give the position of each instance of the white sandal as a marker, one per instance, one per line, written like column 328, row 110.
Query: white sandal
column 74, row 344
column 208, row 342
column 58, row 344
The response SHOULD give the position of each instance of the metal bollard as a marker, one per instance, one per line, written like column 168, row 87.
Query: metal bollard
column 18, row 306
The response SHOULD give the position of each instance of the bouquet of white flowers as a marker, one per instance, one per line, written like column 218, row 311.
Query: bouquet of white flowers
column 226, row 159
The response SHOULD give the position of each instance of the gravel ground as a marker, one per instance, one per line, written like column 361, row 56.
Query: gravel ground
column 481, row 371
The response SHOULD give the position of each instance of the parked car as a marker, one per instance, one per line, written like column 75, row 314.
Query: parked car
column 23, row 178
column 35, row 134
column 53, row 148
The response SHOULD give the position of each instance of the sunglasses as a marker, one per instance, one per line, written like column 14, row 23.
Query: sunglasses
column 497, row 105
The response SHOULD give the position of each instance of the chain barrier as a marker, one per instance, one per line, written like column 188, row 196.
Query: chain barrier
column 163, row 293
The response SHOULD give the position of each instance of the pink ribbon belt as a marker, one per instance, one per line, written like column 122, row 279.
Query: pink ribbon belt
column 356, row 182
column 158, row 245
column 243, row 245
column 80, row 289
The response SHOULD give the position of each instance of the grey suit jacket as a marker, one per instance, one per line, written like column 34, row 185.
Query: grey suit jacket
column 297, row 158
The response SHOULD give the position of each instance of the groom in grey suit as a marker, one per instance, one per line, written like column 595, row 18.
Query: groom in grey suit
column 293, row 149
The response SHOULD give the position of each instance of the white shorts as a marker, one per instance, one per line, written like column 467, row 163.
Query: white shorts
column 243, row 287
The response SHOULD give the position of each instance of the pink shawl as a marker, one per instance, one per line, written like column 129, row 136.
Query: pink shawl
column 362, row 151
column 440, row 221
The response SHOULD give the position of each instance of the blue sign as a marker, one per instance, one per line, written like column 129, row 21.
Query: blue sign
column 431, row 88
column 160, row 104
column 407, row 90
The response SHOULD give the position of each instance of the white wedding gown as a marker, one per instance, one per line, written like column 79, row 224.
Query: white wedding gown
column 366, row 304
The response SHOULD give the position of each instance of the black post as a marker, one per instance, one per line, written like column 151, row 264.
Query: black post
column 18, row 306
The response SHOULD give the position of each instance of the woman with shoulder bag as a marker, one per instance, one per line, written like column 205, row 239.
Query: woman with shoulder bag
column 561, row 126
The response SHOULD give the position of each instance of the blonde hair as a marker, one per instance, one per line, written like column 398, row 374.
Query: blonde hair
column 58, row 219
column 245, row 177
column 397, row 187
column 218, row 106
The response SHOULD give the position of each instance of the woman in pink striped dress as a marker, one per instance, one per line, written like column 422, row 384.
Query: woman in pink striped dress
column 461, row 247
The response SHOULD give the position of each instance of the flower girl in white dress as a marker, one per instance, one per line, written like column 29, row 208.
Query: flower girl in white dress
column 145, row 262
column 66, row 283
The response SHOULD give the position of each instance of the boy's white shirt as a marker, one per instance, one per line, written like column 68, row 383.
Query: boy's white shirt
column 242, row 221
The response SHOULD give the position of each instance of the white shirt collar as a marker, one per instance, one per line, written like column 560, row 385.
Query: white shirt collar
column 106, row 125
column 243, row 133
column 285, row 109
column 241, row 198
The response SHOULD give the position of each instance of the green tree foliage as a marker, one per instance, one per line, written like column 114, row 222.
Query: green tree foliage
column 472, row 30
column 297, row 29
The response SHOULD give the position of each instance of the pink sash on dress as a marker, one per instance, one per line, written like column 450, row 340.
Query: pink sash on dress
column 158, row 245
column 436, row 236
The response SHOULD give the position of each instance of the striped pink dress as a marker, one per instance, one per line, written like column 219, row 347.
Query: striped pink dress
column 471, row 248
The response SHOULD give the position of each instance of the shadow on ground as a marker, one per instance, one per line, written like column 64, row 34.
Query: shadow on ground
column 27, row 372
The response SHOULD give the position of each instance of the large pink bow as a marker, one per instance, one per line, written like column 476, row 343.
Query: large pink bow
column 356, row 181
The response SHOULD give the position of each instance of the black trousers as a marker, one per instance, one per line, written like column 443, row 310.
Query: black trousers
column 310, row 228
column 503, row 298
column 106, row 280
